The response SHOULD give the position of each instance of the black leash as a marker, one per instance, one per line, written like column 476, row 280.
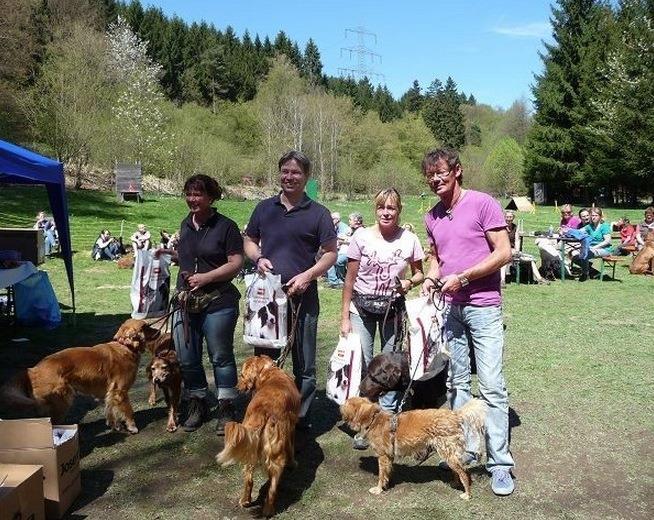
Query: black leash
column 295, row 317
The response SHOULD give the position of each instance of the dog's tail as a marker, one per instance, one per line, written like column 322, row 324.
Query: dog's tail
column 241, row 445
column 16, row 401
column 473, row 419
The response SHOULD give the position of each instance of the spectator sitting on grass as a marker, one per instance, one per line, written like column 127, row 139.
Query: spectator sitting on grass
column 141, row 238
column 336, row 273
column 106, row 247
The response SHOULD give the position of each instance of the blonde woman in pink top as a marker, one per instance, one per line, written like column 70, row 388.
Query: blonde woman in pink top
column 384, row 263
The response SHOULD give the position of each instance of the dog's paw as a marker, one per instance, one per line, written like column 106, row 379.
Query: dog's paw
column 152, row 401
column 245, row 502
column 376, row 490
column 268, row 510
column 131, row 428
column 171, row 427
column 465, row 496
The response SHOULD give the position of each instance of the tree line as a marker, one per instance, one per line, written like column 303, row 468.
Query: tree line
column 98, row 81
column 593, row 131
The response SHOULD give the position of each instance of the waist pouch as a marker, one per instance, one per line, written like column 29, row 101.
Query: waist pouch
column 375, row 304
column 197, row 301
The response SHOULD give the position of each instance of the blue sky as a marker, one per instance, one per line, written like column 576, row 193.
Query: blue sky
column 489, row 47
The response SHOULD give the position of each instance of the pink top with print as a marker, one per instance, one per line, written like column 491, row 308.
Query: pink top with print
column 461, row 243
column 380, row 261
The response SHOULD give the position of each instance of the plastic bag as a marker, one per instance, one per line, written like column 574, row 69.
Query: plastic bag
column 150, row 288
column 344, row 369
column 428, row 353
column 36, row 302
column 265, row 321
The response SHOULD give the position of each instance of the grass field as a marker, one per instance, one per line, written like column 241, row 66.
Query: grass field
column 579, row 368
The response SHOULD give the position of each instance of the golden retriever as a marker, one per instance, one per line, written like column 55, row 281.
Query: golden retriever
column 107, row 371
column 267, row 434
column 644, row 261
column 165, row 372
column 418, row 432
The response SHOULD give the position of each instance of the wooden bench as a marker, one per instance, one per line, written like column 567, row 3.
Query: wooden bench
column 612, row 261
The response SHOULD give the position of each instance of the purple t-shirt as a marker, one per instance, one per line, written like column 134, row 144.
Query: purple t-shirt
column 571, row 222
column 461, row 243
column 380, row 260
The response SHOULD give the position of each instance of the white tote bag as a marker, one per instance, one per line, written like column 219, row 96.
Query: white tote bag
column 428, row 353
column 150, row 288
column 265, row 320
column 344, row 370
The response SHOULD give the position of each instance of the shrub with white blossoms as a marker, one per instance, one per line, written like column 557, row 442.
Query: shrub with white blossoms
column 138, row 117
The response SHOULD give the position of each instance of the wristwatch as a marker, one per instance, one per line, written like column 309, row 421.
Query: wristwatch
column 463, row 280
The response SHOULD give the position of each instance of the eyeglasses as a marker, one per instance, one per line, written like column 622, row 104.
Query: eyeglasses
column 566, row 213
column 439, row 175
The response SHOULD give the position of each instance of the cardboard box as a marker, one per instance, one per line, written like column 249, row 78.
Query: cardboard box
column 30, row 441
column 21, row 492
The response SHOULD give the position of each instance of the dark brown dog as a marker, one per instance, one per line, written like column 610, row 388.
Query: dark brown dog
column 165, row 373
column 105, row 371
column 390, row 371
column 417, row 432
column 267, row 434
column 644, row 261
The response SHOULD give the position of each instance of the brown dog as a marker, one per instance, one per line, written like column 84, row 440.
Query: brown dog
column 267, row 434
column 417, row 432
column 106, row 371
column 644, row 261
column 164, row 372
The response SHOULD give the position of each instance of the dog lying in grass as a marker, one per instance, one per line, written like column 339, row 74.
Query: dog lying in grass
column 267, row 434
column 106, row 371
column 417, row 432
column 164, row 372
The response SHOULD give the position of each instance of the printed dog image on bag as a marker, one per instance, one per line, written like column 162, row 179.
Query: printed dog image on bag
column 265, row 320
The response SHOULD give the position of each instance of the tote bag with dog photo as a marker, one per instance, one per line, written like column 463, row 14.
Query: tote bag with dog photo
column 344, row 370
column 265, row 319
column 428, row 353
column 150, row 288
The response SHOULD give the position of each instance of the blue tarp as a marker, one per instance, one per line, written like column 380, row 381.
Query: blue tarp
column 21, row 166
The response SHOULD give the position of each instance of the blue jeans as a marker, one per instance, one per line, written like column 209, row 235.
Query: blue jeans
column 483, row 325
column 49, row 241
column 585, row 263
column 336, row 273
column 304, row 348
column 366, row 327
column 217, row 328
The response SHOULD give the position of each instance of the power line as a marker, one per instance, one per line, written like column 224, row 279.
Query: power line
column 362, row 54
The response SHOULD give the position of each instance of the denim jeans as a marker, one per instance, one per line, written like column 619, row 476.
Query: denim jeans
column 336, row 273
column 49, row 241
column 366, row 327
column 217, row 328
column 585, row 264
column 483, row 327
column 304, row 348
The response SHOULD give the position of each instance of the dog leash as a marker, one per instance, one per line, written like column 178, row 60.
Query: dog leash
column 295, row 317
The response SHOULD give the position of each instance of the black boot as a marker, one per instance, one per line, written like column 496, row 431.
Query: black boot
column 225, row 414
column 197, row 414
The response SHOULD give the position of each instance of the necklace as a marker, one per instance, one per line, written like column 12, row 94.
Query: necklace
column 448, row 211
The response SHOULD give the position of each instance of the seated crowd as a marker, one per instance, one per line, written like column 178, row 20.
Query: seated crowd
column 108, row 247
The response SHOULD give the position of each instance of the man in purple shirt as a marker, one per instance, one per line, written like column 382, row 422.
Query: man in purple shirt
column 470, row 244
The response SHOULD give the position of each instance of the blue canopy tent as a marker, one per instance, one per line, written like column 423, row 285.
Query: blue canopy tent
column 21, row 166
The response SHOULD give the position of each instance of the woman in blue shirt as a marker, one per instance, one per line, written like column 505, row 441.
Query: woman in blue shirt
column 600, row 239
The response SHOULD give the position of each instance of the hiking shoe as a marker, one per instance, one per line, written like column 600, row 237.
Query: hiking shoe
column 359, row 442
column 197, row 414
column 468, row 458
column 225, row 414
column 502, row 482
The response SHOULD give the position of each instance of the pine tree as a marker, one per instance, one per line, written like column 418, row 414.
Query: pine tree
column 412, row 99
column 558, row 144
column 442, row 113
column 311, row 64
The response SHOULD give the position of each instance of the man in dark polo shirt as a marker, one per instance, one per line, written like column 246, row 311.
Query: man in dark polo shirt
column 284, row 235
